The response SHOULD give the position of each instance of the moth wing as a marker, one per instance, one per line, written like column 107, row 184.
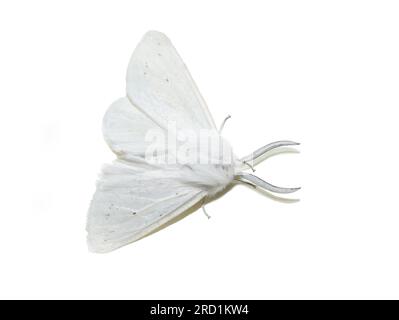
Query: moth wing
column 130, row 133
column 131, row 202
column 160, row 85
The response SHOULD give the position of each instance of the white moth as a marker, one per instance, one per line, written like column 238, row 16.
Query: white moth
column 153, row 184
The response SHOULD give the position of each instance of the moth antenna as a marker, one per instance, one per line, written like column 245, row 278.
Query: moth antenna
column 258, row 182
column 223, row 123
column 256, row 156
column 245, row 182
column 206, row 214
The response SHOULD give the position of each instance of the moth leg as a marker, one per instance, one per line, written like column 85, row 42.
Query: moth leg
column 223, row 123
column 252, row 168
column 258, row 182
column 206, row 214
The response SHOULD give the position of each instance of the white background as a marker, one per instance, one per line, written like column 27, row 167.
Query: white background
column 325, row 73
